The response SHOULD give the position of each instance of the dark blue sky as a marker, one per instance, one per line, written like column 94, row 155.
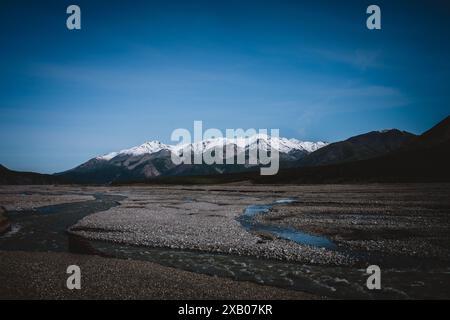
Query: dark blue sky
column 140, row 69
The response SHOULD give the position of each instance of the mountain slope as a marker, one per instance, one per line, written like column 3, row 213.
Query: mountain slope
column 122, row 167
column 153, row 159
column 425, row 158
column 16, row 177
column 361, row 147
column 438, row 134
column 391, row 155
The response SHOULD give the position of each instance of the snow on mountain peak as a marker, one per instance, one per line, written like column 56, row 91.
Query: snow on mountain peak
column 308, row 145
column 145, row 148
column 107, row 156
column 262, row 141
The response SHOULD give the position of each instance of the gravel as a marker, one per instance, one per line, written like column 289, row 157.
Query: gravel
column 18, row 198
column 26, row 275
column 197, row 219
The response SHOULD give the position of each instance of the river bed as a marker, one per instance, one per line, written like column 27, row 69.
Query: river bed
column 44, row 229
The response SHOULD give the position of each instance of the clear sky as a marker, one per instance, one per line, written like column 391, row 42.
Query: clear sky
column 140, row 69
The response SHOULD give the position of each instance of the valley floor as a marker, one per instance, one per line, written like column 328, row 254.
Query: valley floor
column 403, row 228
column 41, row 275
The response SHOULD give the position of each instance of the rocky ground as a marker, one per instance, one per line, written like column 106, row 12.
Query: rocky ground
column 29, row 197
column 4, row 223
column 43, row 276
column 397, row 220
column 398, row 226
column 198, row 218
column 404, row 220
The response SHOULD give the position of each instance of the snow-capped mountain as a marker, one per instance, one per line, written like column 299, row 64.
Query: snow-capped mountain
column 145, row 148
column 386, row 155
column 153, row 158
column 261, row 141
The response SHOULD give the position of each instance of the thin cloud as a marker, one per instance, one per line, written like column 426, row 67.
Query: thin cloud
column 360, row 59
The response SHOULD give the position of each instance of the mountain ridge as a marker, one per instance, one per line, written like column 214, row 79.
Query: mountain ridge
column 360, row 147
column 153, row 158
column 154, row 146
column 424, row 159
column 8, row 177
column 387, row 155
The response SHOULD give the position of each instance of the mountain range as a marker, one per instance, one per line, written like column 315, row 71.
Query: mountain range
column 153, row 159
column 419, row 158
column 387, row 155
